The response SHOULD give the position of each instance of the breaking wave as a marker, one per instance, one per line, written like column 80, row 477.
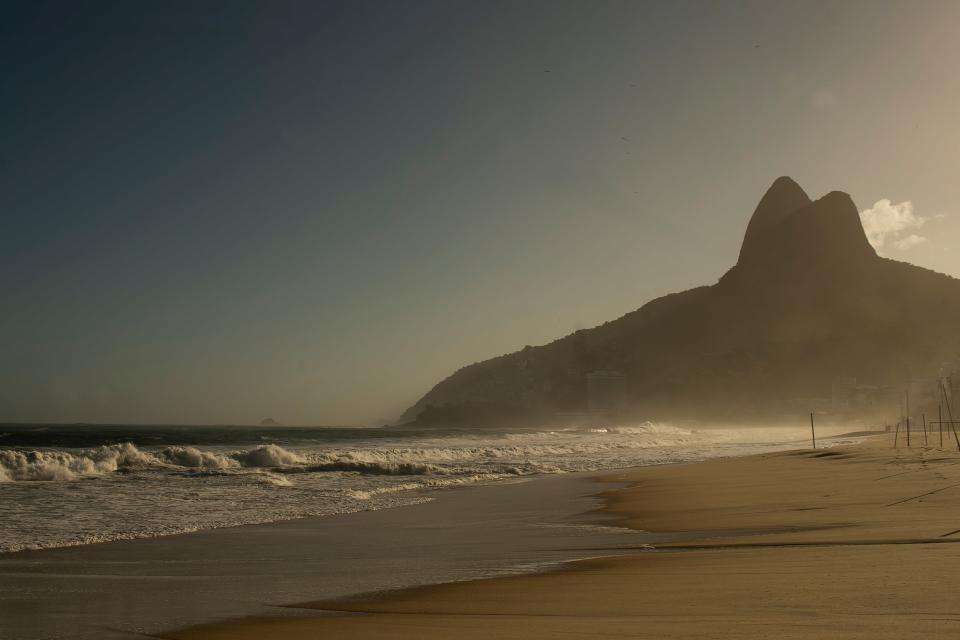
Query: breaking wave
column 120, row 491
column 62, row 465
column 516, row 454
column 54, row 465
column 507, row 457
column 268, row 455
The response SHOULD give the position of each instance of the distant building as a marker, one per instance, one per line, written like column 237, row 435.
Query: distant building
column 842, row 392
column 606, row 392
column 923, row 393
column 867, row 404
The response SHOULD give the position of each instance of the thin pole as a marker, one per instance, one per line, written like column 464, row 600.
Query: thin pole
column 924, row 416
column 908, row 416
column 896, row 434
column 813, row 434
column 940, row 419
column 953, row 428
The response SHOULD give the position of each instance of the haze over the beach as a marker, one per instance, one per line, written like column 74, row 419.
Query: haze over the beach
column 314, row 211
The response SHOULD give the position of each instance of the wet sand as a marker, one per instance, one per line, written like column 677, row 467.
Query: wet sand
column 858, row 542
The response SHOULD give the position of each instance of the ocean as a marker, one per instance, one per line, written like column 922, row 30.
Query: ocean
column 74, row 485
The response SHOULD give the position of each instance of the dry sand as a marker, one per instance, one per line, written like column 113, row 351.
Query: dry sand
column 844, row 543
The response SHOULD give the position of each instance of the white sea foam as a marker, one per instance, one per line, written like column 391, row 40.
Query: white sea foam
column 62, row 465
column 268, row 455
column 52, row 465
column 194, row 458
column 512, row 454
column 523, row 451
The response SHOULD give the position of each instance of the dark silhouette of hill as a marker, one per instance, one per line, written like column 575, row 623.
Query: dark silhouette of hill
column 808, row 301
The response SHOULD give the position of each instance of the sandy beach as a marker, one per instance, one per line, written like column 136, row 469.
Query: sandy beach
column 852, row 542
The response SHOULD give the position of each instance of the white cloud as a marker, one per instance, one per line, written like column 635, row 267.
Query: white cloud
column 911, row 240
column 886, row 223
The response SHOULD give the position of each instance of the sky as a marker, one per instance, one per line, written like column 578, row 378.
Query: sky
column 219, row 212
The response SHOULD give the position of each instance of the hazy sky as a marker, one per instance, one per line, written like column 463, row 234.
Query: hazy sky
column 219, row 212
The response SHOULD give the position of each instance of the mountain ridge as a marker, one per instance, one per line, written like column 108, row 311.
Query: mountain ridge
column 808, row 301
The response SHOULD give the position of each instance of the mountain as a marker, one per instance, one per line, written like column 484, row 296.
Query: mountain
column 808, row 303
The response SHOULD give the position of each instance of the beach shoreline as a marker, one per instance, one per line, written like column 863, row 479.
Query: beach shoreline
column 797, row 544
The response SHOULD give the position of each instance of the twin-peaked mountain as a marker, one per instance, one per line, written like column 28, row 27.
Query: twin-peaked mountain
column 809, row 301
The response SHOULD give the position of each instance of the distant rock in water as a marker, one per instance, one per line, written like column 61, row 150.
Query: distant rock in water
column 269, row 422
column 808, row 303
